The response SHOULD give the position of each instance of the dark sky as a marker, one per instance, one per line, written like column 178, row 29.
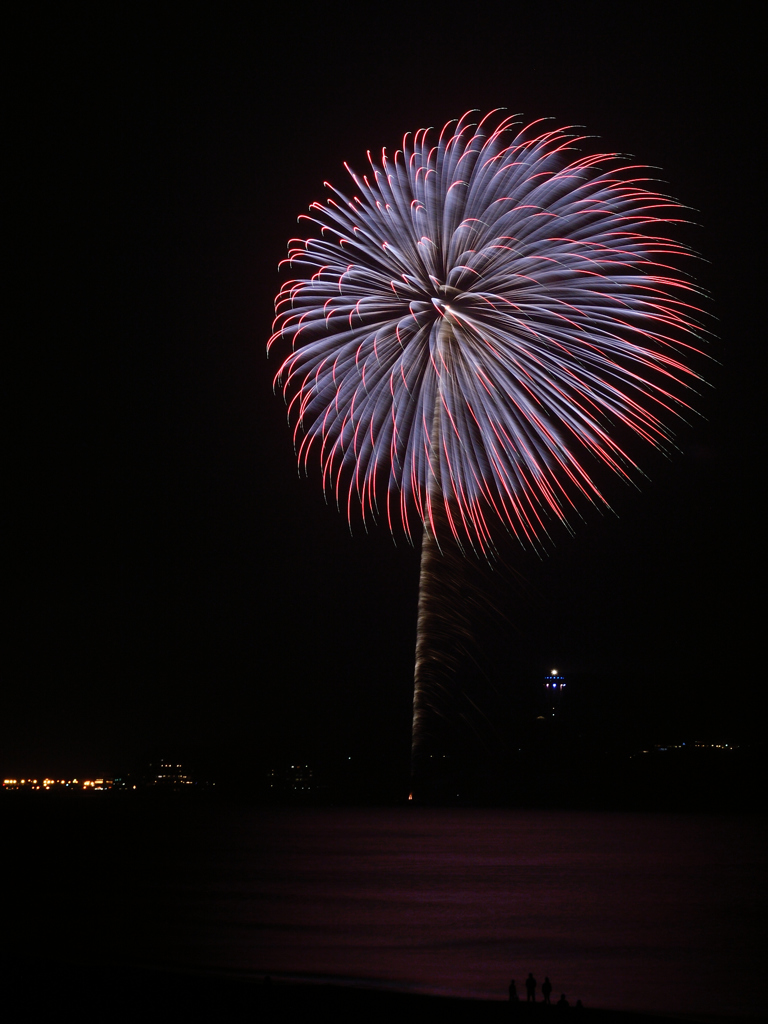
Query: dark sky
column 174, row 584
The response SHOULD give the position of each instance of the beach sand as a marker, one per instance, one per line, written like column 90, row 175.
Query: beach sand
column 43, row 991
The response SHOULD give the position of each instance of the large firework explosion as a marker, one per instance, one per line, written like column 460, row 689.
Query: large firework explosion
column 478, row 326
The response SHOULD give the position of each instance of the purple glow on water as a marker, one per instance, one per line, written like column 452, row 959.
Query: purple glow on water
column 627, row 911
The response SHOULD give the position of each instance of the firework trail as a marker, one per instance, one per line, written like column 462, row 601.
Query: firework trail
column 477, row 326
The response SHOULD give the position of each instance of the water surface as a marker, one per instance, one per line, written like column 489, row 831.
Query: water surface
column 628, row 911
column 652, row 912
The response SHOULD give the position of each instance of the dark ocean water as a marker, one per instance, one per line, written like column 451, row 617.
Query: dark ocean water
column 628, row 911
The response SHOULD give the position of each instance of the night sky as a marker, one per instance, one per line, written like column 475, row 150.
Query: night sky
column 175, row 586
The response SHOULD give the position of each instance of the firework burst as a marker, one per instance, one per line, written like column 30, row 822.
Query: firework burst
column 479, row 323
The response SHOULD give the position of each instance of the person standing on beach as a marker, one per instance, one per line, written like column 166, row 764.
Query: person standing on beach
column 546, row 990
column 530, row 988
column 513, row 997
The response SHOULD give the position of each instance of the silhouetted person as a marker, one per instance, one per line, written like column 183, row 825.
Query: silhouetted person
column 579, row 1005
column 530, row 988
column 562, row 1003
column 513, row 996
column 546, row 990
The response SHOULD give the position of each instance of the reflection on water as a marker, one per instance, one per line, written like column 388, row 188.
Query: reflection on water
column 632, row 911
column 627, row 911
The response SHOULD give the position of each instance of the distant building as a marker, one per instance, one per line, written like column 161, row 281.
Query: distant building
column 296, row 778
column 168, row 775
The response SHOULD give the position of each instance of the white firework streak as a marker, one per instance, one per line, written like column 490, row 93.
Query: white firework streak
column 475, row 319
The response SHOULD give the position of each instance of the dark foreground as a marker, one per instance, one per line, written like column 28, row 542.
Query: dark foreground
column 44, row 992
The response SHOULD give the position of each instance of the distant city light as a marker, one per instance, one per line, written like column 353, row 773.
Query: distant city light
column 54, row 784
column 165, row 776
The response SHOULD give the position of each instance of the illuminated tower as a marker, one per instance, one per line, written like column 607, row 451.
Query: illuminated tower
column 554, row 689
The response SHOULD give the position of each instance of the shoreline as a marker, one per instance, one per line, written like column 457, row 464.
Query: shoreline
column 42, row 989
